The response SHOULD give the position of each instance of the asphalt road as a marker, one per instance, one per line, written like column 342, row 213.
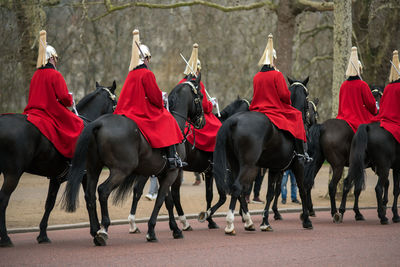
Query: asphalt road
column 351, row 243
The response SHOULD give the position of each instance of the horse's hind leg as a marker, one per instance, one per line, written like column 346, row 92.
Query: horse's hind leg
column 176, row 196
column 137, row 193
column 9, row 185
column 92, row 178
column 396, row 192
column 383, row 173
column 54, row 186
column 169, row 203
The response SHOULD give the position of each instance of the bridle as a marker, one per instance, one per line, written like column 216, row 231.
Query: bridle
column 110, row 95
column 199, row 113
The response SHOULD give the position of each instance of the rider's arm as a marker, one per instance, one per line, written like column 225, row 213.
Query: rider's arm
column 61, row 90
column 281, row 87
column 153, row 93
column 207, row 105
column 368, row 99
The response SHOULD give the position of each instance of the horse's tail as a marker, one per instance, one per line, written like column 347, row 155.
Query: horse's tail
column 315, row 151
column 219, row 156
column 77, row 170
column 357, row 157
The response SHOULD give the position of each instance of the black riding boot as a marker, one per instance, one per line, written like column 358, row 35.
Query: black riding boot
column 174, row 161
column 301, row 150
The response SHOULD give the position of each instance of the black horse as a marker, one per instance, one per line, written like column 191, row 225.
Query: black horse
column 246, row 142
column 375, row 146
column 198, row 161
column 116, row 142
column 329, row 141
column 24, row 149
column 310, row 118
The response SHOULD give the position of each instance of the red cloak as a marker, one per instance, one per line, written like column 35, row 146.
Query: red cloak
column 389, row 111
column 141, row 101
column 356, row 103
column 46, row 109
column 206, row 137
column 271, row 96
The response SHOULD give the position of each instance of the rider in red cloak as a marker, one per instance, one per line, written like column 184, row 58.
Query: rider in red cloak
column 356, row 102
column 141, row 101
column 48, row 101
column 272, row 97
column 206, row 137
column 389, row 112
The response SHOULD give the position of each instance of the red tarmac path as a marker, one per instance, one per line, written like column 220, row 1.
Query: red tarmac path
column 348, row 244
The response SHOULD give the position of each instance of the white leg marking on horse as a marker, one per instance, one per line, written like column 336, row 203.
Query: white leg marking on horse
column 229, row 222
column 247, row 220
column 184, row 222
column 132, row 224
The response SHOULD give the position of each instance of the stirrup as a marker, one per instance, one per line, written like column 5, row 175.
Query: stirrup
column 305, row 157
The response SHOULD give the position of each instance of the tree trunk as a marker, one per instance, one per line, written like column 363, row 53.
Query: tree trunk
column 283, row 42
column 341, row 47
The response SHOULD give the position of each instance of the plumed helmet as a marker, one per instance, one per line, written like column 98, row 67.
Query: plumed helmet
column 269, row 53
column 394, row 75
column 50, row 52
column 354, row 68
column 193, row 61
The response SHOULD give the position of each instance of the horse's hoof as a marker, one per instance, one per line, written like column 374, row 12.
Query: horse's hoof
column 187, row 229
column 233, row 232
column 6, row 243
column 396, row 219
column 278, row 217
column 43, row 239
column 250, row 228
column 202, row 216
column 312, row 213
column 100, row 239
column 134, row 231
column 359, row 217
column 307, row 225
column 177, row 234
column 151, row 238
column 266, row 228
column 212, row 225
column 337, row 218
column 384, row 221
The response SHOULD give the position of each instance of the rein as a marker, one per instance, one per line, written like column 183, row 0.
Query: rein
column 110, row 95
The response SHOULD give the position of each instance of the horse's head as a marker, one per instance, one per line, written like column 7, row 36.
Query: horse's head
column 236, row 106
column 97, row 103
column 377, row 92
column 299, row 96
column 185, row 103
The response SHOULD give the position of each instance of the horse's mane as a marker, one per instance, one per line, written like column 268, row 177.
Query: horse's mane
column 173, row 97
column 86, row 99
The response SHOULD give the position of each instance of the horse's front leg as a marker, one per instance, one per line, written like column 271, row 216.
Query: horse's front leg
column 396, row 192
column 54, row 186
column 165, row 180
column 277, row 215
column 265, row 226
column 169, row 203
column 298, row 170
column 209, row 197
column 137, row 193
column 176, row 196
